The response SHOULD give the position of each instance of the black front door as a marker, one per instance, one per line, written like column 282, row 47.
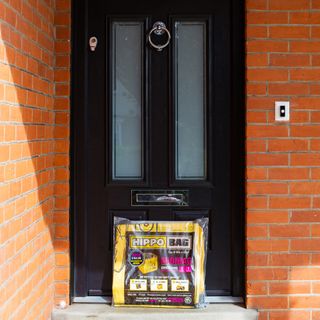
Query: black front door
column 156, row 140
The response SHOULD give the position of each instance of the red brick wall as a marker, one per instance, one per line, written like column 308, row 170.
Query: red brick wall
column 26, row 158
column 62, row 118
column 34, row 84
column 283, row 159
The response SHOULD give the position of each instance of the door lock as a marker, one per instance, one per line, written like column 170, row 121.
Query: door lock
column 93, row 41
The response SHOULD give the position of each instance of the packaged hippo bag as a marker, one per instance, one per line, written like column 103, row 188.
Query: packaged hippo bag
column 159, row 263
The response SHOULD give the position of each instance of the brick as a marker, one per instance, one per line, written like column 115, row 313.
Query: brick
column 62, row 18
column 256, row 59
column 254, row 274
column 256, row 202
column 288, row 5
column 315, row 32
column 305, row 159
column 305, row 302
column 289, row 202
column 63, row 5
column 304, row 46
column 305, row 216
column 299, row 117
column 287, row 145
column 304, row 273
column 316, row 287
column 315, row 173
column 256, row 117
column 315, row 315
column 256, row 173
column 266, row 17
column 289, row 288
column 289, row 259
column 258, row 131
column 257, row 259
column 268, row 245
column 289, row 32
column 62, row 274
column 315, row 116
column 270, row 46
column 263, row 315
column 315, row 4
column 315, row 145
column 267, row 302
column 267, row 217
column 61, row 245
column 61, row 218
column 305, row 74
column 307, row 17
column 289, row 315
column 305, row 187
column 256, row 89
column 257, row 288
column 257, row 232
column 256, row 4
column 60, row 288
column 257, row 32
column 260, row 103
column 288, row 173
column 289, row 60
column 315, row 259
column 315, row 231
column 305, row 131
column 316, row 60
column 267, row 159
column 288, row 89
column 256, row 146
column 61, row 231
column 266, row 188
column 310, row 245
column 289, row 231
column 267, row 75
column 62, row 259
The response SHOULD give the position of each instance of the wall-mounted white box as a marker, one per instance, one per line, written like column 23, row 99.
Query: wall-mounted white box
column 282, row 111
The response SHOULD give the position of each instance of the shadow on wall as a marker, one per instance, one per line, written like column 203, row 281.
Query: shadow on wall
column 282, row 290
column 29, row 165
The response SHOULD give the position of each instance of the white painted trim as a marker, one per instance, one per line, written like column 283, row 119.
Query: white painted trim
column 224, row 299
column 92, row 299
column 210, row 299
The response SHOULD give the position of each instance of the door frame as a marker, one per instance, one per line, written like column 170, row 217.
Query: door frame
column 79, row 50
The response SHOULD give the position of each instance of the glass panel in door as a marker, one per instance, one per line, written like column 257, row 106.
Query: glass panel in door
column 127, row 100
column 190, row 99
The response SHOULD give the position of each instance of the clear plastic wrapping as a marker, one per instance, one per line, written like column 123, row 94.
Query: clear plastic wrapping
column 159, row 263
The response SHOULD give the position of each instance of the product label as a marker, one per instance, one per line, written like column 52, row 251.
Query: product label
column 159, row 269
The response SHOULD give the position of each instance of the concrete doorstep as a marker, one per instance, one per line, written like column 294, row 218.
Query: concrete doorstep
column 106, row 312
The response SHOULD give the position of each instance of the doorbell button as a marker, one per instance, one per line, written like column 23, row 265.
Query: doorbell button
column 282, row 111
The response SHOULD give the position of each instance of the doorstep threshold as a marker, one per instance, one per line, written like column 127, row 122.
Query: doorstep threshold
column 82, row 311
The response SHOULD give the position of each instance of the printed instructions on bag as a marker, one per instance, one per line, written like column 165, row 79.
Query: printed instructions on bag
column 159, row 269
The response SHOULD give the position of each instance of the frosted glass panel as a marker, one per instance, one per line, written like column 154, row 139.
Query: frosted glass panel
column 190, row 100
column 127, row 99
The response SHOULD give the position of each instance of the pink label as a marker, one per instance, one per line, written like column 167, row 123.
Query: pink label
column 184, row 269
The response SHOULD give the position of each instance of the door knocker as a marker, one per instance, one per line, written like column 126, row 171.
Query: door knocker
column 159, row 28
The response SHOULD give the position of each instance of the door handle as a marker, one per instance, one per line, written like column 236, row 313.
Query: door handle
column 168, row 198
column 159, row 28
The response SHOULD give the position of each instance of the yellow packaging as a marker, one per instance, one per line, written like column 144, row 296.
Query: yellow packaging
column 159, row 263
column 150, row 263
